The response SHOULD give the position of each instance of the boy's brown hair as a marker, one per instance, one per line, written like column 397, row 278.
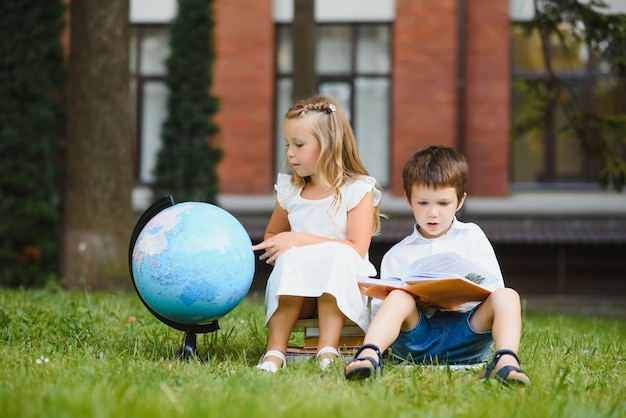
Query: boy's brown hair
column 436, row 166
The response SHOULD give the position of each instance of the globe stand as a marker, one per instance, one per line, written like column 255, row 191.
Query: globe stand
column 188, row 349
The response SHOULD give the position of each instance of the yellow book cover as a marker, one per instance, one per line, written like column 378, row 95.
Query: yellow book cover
column 444, row 280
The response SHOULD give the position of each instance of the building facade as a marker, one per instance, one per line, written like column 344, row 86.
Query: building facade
column 421, row 73
column 409, row 73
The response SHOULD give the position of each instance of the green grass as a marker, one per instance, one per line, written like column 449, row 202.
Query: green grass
column 71, row 354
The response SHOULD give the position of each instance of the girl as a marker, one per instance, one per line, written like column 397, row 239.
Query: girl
column 319, row 233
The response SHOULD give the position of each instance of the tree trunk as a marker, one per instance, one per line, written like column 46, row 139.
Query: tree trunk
column 98, row 215
column 304, row 38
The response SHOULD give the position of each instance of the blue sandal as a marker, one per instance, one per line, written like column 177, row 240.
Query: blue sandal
column 363, row 372
column 502, row 375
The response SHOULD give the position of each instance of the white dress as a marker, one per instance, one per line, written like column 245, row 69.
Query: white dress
column 329, row 267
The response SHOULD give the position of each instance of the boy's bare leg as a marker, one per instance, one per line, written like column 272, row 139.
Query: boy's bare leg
column 502, row 313
column 397, row 312
column 281, row 324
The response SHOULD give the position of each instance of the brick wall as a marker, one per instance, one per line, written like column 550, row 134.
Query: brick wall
column 424, row 73
column 424, row 92
column 488, row 97
column 244, row 84
column 424, row 98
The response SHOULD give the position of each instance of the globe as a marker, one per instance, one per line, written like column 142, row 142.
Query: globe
column 192, row 263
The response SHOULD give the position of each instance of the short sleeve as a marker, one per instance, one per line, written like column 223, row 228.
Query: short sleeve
column 284, row 189
column 355, row 190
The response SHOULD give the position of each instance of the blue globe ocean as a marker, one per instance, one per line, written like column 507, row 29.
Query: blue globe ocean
column 193, row 263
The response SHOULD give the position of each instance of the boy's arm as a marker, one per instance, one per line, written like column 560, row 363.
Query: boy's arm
column 481, row 253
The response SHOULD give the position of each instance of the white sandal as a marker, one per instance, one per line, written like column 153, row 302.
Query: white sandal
column 268, row 366
column 327, row 361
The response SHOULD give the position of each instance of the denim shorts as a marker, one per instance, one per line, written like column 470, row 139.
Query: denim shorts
column 444, row 338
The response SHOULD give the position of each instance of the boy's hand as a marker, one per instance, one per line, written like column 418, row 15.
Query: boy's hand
column 423, row 302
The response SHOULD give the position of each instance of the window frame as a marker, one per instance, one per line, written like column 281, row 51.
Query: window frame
column 586, row 78
column 350, row 78
column 140, row 80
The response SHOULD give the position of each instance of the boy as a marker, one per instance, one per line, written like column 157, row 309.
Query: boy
column 435, row 179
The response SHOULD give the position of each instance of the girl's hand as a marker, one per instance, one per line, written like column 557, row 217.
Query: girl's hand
column 275, row 246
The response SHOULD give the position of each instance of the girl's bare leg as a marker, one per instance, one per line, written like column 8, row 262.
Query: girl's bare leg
column 309, row 305
column 281, row 324
column 331, row 321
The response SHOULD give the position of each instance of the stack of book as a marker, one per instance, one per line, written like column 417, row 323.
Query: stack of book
column 350, row 340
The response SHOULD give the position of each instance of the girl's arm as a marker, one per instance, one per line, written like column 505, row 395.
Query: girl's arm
column 277, row 239
column 360, row 224
column 278, row 222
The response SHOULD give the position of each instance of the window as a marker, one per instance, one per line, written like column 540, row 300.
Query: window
column 149, row 49
column 353, row 65
column 546, row 153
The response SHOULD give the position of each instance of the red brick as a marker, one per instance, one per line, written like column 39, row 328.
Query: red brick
column 424, row 90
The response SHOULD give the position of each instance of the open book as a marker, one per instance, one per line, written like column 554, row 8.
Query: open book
column 444, row 280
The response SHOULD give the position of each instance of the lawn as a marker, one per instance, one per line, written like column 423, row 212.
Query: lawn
column 73, row 354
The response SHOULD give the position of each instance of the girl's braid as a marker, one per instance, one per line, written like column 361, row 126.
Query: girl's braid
column 318, row 107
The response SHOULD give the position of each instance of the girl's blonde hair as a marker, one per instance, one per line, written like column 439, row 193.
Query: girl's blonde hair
column 339, row 159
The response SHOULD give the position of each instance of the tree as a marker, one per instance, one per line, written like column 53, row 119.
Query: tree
column 601, row 136
column 98, row 217
column 304, row 38
column 31, row 130
column 186, row 163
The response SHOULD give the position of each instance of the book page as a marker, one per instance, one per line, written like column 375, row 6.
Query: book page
column 445, row 280
column 447, row 264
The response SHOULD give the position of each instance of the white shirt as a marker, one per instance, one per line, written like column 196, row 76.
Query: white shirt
column 463, row 238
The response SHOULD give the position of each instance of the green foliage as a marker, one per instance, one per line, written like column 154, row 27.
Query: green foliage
column 601, row 136
column 32, row 123
column 186, row 164
column 71, row 354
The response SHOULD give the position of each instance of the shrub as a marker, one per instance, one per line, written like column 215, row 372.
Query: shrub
column 32, row 118
column 186, row 163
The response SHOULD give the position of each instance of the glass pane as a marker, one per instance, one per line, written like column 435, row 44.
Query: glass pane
column 155, row 49
column 569, row 160
column 334, row 50
column 568, row 164
column 527, row 148
column 283, row 103
column 528, row 151
column 609, row 97
column 567, row 54
column 133, row 105
column 133, row 52
column 340, row 92
column 372, row 49
column 154, row 114
column 372, row 125
column 284, row 51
